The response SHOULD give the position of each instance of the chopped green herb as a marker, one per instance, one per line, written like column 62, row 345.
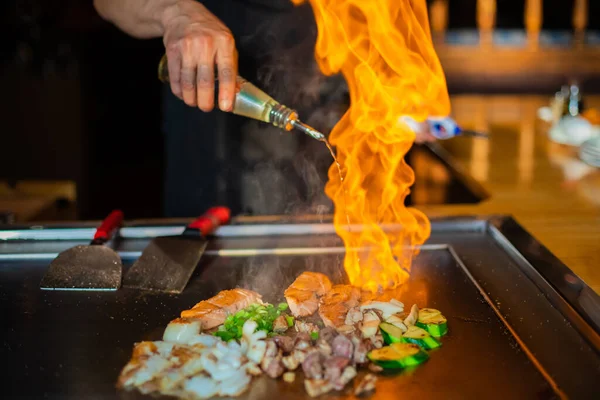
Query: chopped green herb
column 262, row 314
column 290, row 320
column 314, row 335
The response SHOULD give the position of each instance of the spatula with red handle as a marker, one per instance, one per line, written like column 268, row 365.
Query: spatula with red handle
column 88, row 267
column 168, row 262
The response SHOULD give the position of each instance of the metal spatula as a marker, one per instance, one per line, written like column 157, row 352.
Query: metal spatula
column 88, row 267
column 168, row 262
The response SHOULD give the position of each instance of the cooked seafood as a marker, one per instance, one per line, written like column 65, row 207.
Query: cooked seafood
column 214, row 311
column 303, row 294
column 201, row 366
column 182, row 330
column 254, row 338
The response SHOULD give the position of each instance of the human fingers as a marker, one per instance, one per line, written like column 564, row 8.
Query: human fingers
column 226, row 59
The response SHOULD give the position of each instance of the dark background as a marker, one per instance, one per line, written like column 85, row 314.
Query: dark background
column 80, row 100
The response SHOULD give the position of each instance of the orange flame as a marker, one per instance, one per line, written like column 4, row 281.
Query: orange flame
column 385, row 52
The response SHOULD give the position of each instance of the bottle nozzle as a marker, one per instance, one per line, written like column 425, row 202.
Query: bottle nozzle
column 308, row 130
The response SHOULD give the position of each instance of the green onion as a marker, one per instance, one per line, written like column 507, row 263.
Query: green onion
column 290, row 320
column 262, row 314
column 314, row 335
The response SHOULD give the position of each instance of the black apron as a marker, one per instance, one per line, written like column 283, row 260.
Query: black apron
column 219, row 158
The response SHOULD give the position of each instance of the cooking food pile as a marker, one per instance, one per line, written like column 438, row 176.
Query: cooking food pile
column 326, row 331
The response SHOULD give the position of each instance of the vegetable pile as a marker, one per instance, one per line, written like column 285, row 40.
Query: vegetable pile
column 409, row 340
column 263, row 314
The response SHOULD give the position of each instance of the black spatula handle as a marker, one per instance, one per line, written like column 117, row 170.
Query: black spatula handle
column 209, row 221
column 108, row 227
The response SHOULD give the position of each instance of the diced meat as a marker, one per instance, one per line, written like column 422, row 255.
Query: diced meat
column 303, row 294
column 290, row 362
column 342, row 346
column 317, row 387
column 271, row 362
column 328, row 334
column 302, row 341
column 285, row 343
column 280, row 324
column 299, row 355
column 361, row 348
column 275, row 368
column 334, row 305
column 334, row 366
column 289, row 377
column 271, row 353
column 212, row 312
column 306, row 327
column 312, row 365
column 366, row 385
column 324, row 347
column 348, row 374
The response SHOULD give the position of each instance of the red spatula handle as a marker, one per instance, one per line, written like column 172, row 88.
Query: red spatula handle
column 108, row 226
column 211, row 220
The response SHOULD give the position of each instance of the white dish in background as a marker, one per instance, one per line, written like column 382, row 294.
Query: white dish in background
column 589, row 152
column 573, row 131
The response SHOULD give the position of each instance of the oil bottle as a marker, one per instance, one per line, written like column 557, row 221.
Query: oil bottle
column 251, row 102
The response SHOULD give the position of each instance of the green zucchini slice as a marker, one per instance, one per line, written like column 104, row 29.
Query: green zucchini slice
column 420, row 337
column 391, row 333
column 398, row 356
column 432, row 321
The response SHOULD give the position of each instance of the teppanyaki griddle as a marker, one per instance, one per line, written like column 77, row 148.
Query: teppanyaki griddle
column 521, row 324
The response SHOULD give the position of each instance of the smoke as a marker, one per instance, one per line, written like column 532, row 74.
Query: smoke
column 287, row 171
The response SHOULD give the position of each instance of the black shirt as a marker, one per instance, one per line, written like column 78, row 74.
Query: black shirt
column 221, row 159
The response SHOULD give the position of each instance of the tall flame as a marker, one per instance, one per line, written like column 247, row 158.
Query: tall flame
column 385, row 52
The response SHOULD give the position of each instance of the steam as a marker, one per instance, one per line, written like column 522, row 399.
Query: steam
column 271, row 275
column 287, row 171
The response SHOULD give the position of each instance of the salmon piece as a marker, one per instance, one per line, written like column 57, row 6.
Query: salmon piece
column 303, row 294
column 234, row 300
column 301, row 302
column 334, row 306
column 313, row 281
column 214, row 311
column 199, row 309
column 208, row 319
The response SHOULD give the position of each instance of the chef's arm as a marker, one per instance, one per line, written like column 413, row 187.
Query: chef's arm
column 195, row 41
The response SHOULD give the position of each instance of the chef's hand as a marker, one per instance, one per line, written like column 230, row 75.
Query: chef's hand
column 196, row 41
